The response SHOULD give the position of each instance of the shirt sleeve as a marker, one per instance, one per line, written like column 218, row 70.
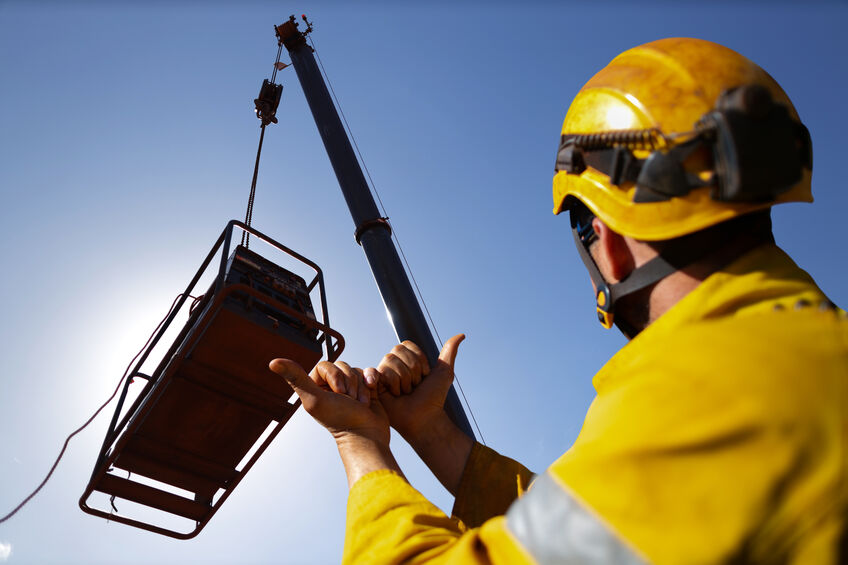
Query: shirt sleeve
column 388, row 521
column 489, row 484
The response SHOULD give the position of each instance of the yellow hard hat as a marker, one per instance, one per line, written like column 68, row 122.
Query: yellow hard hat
column 677, row 135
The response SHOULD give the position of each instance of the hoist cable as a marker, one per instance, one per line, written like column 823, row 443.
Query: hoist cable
column 91, row 419
column 248, row 217
column 394, row 230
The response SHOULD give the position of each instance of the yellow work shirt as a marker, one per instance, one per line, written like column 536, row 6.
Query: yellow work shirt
column 718, row 435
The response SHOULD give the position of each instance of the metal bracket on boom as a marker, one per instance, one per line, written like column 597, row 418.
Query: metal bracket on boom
column 370, row 224
column 289, row 35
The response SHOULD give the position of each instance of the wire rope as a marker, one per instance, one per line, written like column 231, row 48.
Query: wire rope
column 248, row 217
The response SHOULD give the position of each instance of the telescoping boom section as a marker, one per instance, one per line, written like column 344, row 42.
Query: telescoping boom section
column 212, row 406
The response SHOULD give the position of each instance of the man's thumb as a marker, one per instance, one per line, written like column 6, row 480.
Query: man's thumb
column 450, row 348
column 295, row 376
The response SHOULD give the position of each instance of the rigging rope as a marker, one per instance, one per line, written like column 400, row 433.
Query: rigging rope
column 394, row 231
column 91, row 419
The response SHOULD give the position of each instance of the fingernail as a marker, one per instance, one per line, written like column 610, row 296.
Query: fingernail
column 370, row 377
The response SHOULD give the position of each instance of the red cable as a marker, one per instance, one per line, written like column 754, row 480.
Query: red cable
column 93, row 416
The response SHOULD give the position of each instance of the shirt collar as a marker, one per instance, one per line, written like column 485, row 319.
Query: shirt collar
column 763, row 280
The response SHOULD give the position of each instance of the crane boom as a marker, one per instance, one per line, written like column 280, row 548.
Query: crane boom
column 373, row 232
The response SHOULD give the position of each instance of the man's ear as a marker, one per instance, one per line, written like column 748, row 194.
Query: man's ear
column 614, row 258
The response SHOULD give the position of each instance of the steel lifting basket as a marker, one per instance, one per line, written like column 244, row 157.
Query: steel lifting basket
column 202, row 418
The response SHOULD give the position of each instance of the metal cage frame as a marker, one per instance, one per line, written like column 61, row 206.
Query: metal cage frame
column 118, row 434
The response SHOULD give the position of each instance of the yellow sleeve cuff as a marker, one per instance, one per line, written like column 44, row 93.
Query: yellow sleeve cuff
column 489, row 484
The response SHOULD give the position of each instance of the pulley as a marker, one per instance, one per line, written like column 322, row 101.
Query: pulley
column 268, row 101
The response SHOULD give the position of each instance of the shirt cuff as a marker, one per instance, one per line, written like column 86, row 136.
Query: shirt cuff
column 489, row 484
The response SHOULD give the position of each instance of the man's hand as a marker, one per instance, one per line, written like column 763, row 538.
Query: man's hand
column 336, row 396
column 413, row 412
column 420, row 416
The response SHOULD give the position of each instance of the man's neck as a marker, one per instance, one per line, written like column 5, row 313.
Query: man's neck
column 672, row 289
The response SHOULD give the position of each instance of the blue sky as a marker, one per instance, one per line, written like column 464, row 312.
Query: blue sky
column 127, row 140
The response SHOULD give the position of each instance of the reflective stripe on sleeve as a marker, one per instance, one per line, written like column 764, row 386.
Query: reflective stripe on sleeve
column 555, row 528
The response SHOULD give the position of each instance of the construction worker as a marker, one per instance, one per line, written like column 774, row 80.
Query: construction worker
column 718, row 433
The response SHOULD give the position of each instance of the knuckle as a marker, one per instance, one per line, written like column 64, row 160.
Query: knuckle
column 389, row 359
column 327, row 370
column 333, row 376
